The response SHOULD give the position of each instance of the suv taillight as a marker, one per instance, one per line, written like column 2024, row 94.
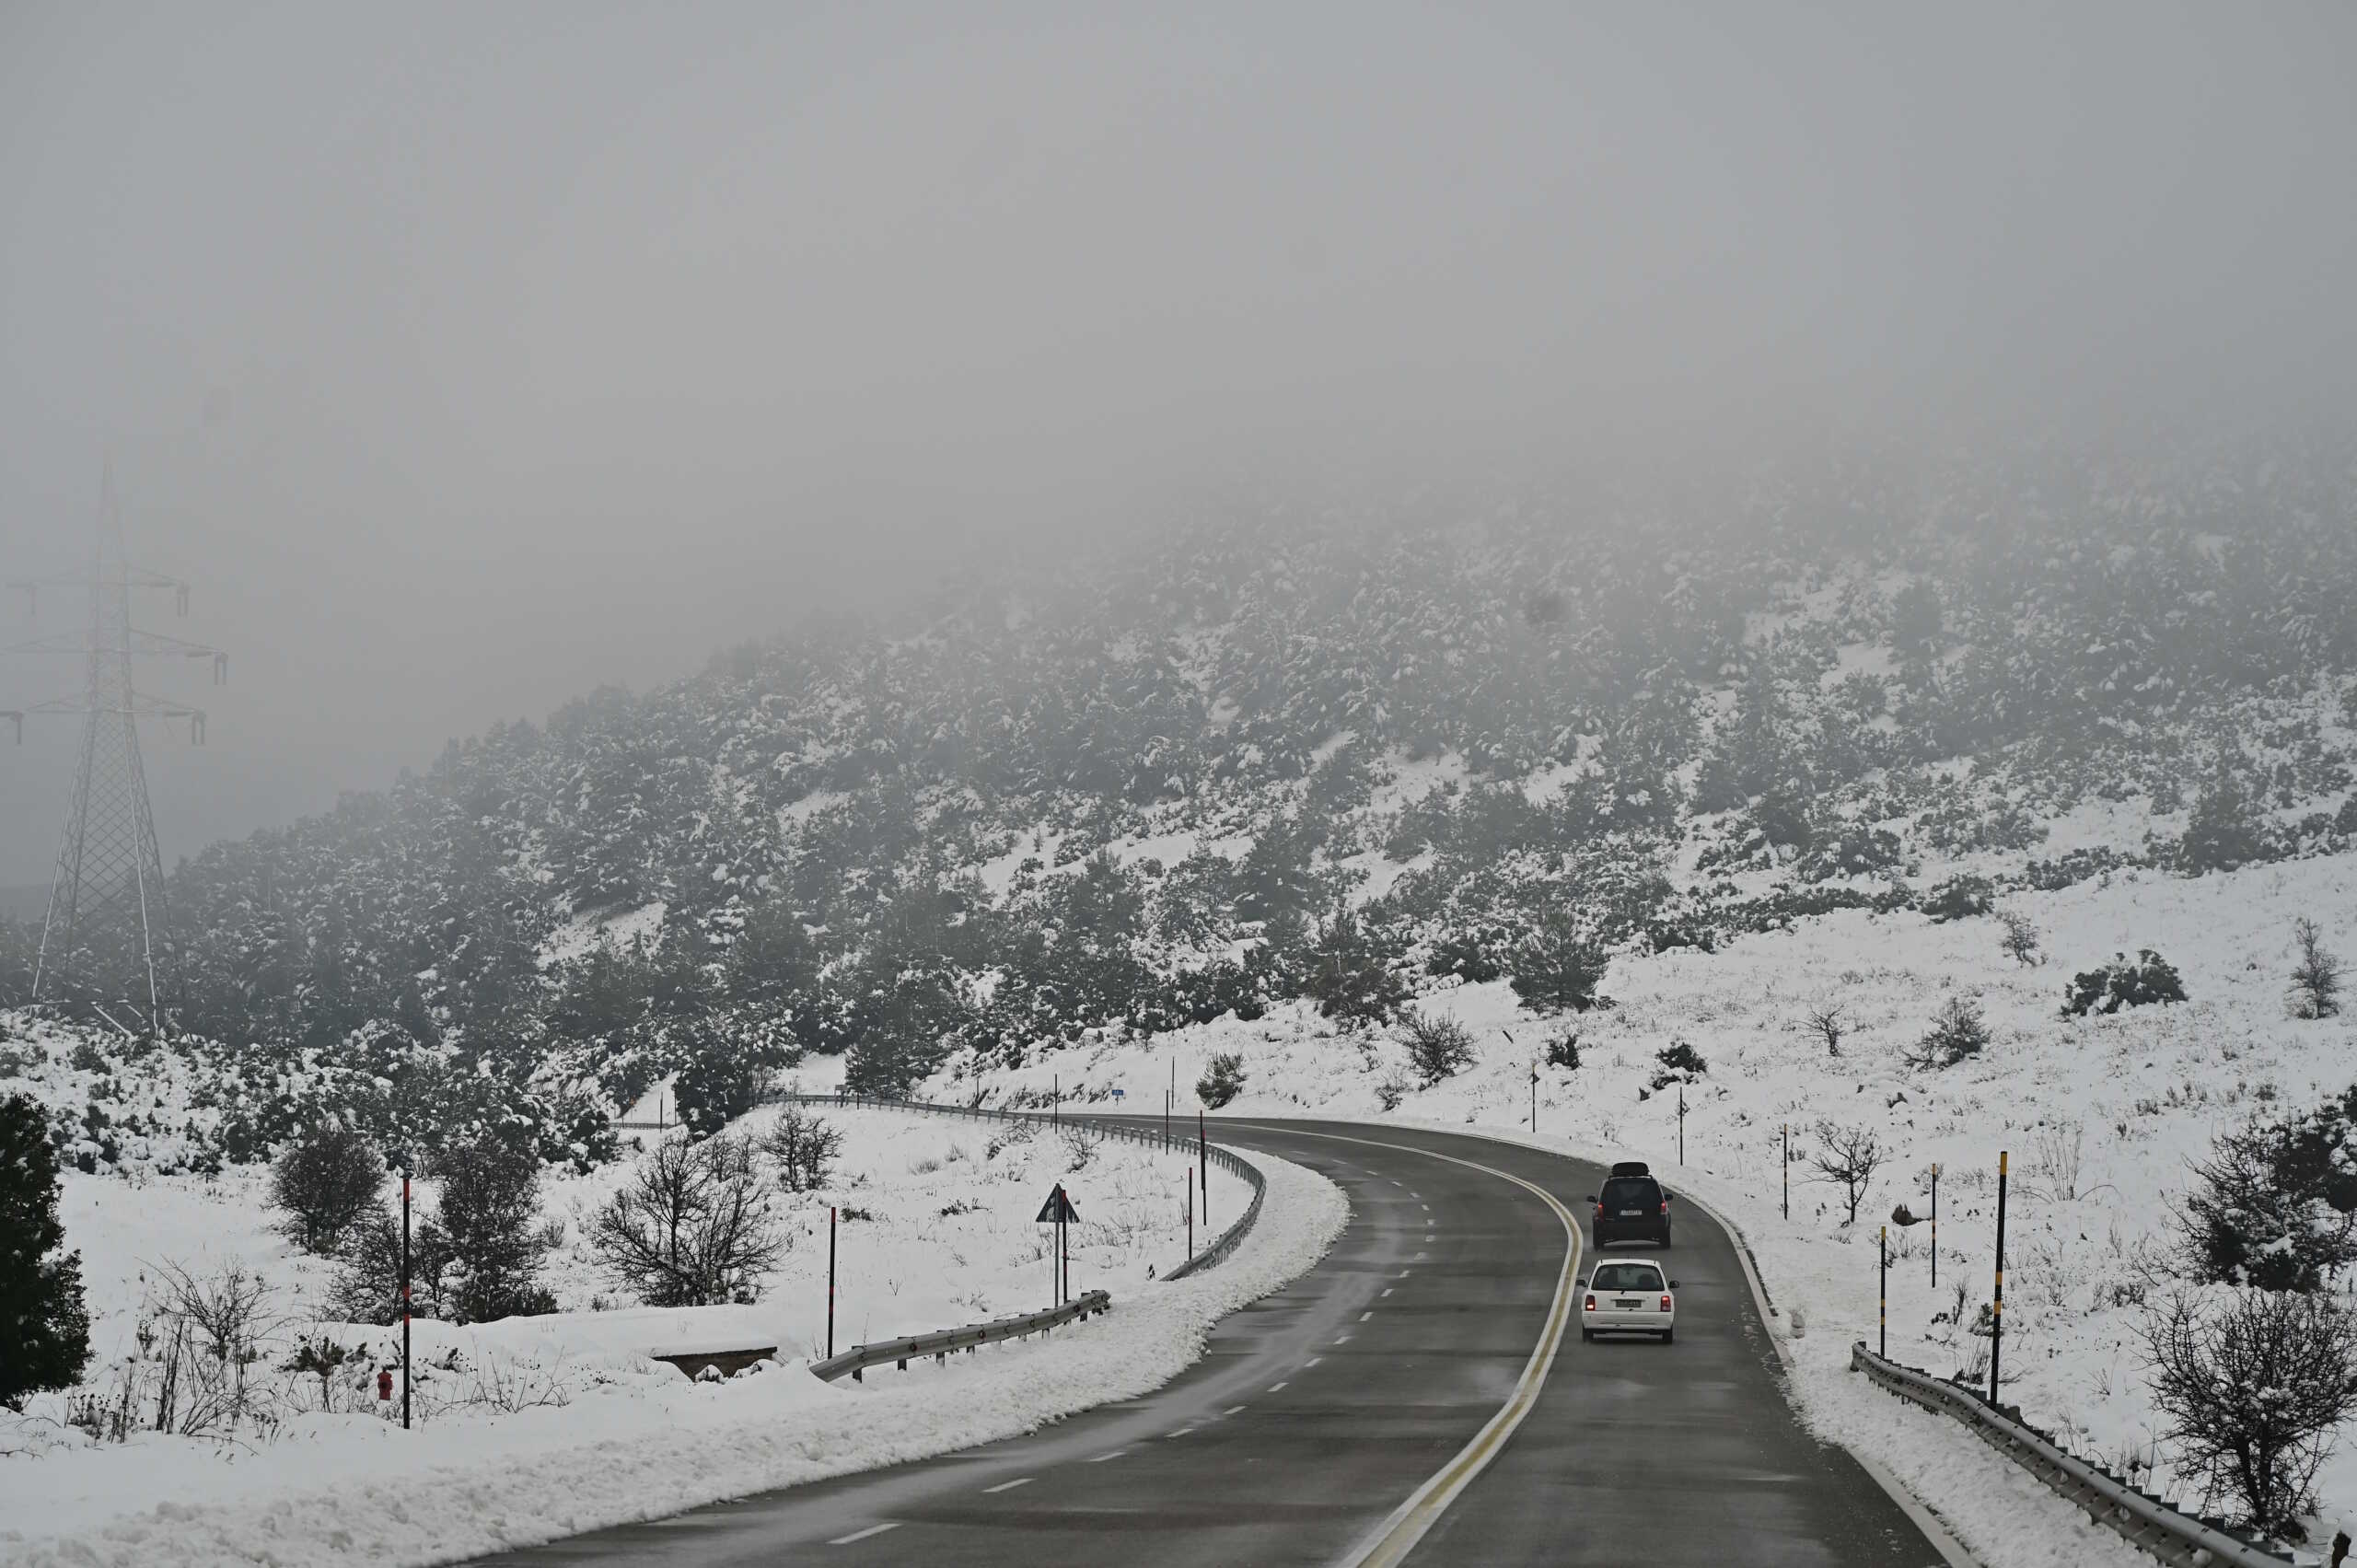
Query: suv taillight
column 1591, row 1304
column 1665, row 1304
column 1665, row 1206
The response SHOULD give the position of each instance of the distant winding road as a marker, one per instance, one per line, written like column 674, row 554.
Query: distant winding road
column 1419, row 1397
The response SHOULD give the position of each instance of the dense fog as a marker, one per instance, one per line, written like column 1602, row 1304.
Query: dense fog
column 468, row 360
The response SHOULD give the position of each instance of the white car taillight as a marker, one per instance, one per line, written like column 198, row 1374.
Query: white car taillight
column 1665, row 1304
column 1591, row 1304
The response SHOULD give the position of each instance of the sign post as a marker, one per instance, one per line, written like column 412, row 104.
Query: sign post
column 1936, row 1224
column 401, row 1162
column 1997, row 1308
column 1788, row 1170
column 831, row 1282
column 1882, row 1289
column 1059, row 1209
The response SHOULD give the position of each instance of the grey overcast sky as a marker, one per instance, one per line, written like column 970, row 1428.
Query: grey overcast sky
column 467, row 356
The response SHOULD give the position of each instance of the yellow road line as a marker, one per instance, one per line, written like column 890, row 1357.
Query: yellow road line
column 1392, row 1541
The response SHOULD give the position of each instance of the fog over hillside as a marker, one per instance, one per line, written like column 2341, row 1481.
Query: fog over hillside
column 467, row 365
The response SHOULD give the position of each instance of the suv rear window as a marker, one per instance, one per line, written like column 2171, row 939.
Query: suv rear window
column 1631, row 1192
column 1626, row 1276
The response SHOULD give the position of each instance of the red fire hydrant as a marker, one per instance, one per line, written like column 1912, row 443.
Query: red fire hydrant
column 384, row 1382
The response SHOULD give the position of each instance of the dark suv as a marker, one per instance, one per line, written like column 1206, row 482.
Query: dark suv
column 1631, row 1208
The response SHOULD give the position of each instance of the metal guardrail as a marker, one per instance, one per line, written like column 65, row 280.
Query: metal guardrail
column 1142, row 1133
column 942, row 1343
column 2143, row 1520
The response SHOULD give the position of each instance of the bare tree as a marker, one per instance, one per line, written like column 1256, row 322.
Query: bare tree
column 1829, row 1026
column 2253, row 1384
column 1848, row 1156
column 692, row 1227
column 2315, row 978
column 2021, row 941
column 207, row 1336
column 804, row 1149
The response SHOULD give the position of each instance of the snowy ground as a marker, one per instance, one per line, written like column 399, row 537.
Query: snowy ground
column 537, row 1427
column 2100, row 1116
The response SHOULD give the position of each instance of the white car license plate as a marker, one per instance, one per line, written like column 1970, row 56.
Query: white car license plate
column 1626, row 1304
column 1633, row 1213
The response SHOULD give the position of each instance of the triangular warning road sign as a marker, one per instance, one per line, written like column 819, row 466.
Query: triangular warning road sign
column 1057, row 1207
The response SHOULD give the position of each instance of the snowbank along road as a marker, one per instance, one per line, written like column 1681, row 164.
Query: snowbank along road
column 1421, row 1395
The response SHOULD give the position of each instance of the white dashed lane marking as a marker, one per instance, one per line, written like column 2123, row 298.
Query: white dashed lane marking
column 1008, row 1485
column 863, row 1535
column 1364, row 1316
column 1276, row 1388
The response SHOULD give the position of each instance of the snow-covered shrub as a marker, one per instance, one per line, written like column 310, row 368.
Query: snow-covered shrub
column 2021, row 940
column 1438, row 1046
column 2253, row 1383
column 2274, row 1203
column 2146, row 979
column 1957, row 1034
column 1676, row 1063
column 326, row 1180
column 1471, row 956
column 1563, row 1050
column 1852, row 851
column 1960, row 898
column 1223, row 1079
column 368, row 1283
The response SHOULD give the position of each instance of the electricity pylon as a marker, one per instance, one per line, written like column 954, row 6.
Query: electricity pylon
column 105, row 942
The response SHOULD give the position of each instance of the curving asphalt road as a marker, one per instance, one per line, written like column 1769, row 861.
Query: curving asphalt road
column 1368, row 1414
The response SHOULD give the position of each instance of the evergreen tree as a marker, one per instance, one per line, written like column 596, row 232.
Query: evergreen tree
column 2223, row 830
column 45, row 1326
column 1558, row 967
column 487, row 1214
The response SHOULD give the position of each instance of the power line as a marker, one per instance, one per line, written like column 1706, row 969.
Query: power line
column 105, row 939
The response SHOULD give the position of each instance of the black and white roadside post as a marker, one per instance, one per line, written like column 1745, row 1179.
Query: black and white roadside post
column 1788, row 1170
column 1534, row 1097
column 1188, row 1183
column 1997, row 1307
column 401, row 1162
column 1055, row 1099
column 830, row 1282
column 1681, row 1123
column 1936, row 1224
column 1882, row 1289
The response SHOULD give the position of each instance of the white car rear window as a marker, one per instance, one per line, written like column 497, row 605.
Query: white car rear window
column 1626, row 1276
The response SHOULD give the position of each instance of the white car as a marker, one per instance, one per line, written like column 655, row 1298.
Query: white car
column 1630, row 1296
